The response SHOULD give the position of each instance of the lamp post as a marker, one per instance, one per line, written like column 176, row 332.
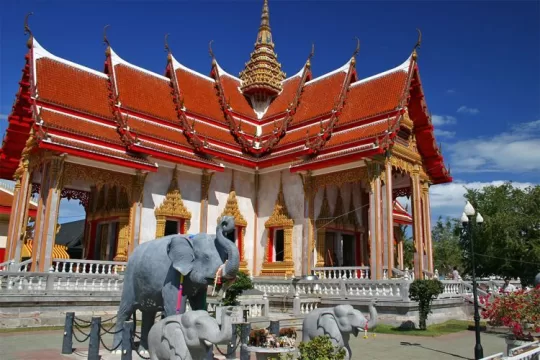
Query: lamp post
column 466, row 219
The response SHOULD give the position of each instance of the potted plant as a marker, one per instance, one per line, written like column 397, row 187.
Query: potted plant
column 519, row 311
column 267, row 346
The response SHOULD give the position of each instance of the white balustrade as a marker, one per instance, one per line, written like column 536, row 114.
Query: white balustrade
column 76, row 266
column 11, row 265
column 341, row 272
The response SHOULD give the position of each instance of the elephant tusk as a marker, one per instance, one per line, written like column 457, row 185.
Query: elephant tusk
column 208, row 343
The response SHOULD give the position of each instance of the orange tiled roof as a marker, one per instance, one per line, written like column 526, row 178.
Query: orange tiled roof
column 363, row 132
column 373, row 97
column 319, row 97
column 78, row 126
column 199, row 95
column 144, row 93
column 236, row 99
column 177, row 152
column 157, row 131
column 280, row 104
column 67, row 86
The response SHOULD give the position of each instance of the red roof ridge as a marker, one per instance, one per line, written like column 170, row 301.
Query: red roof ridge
column 405, row 67
column 179, row 66
column 39, row 52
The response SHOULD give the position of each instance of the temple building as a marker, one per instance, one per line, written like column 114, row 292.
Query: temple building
column 310, row 167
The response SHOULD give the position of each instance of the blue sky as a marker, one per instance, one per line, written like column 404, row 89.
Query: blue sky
column 479, row 61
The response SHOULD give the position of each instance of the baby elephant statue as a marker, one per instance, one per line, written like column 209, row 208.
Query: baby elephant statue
column 188, row 336
column 338, row 323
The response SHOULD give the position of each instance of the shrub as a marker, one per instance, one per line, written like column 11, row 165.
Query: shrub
column 518, row 310
column 425, row 291
column 320, row 348
column 242, row 282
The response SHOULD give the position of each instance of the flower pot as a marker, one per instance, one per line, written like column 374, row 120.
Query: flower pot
column 512, row 343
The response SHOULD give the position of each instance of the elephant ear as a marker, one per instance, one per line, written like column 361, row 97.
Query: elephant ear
column 173, row 339
column 180, row 250
column 328, row 323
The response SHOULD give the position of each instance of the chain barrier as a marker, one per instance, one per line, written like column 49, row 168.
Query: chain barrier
column 82, row 320
column 108, row 320
column 84, row 334
column 110, row 349
column 108, row 331
column 81, row 325
column 231, row 351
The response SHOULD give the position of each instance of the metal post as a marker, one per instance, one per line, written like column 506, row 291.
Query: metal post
column 244, row 338
column 274, row 328
column 127, row 340
column 478, row 350
column 230, row 354
column 67, row 343
column 93, row 345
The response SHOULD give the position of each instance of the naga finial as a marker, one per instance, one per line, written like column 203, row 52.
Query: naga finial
column 210, row 50
column 26, row 27
column 167, row 48
column 357, row 50
column 419, row 41
column 105, row 40
column 312, row 51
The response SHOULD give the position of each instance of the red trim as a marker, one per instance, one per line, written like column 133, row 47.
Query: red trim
column 358, row 259
column 270, row 257
column 234, row 159
column 2, row 254
column 97, row 157
column 49, row 106
column 282, row 158
column 239, row 241
column 80, row 137
column 6, row 210
column 335, row 161
column 176, row 159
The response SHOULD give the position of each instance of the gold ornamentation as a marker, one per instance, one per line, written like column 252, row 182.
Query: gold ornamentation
column 123, row 239
column 206, row 180
column 279, row 219
column 172, row 207
column 338, row 178
column 339, row 218
column 262, row 73
column 96, row 176
column 406, row 121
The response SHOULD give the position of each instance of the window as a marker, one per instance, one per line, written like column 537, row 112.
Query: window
column 348, row 250
column 279, row 245
column 171, row 227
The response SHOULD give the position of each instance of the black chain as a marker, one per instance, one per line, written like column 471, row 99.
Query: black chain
column 82, row 320
column 233, row 349
column 108, row 331
column 109, row 349
column 106, row 321
column 82, row 326
column 76, row 338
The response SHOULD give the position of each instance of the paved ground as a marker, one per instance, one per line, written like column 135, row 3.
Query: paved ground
column 46, row 345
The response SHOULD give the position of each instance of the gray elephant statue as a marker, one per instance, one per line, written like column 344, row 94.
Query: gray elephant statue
column 338, row 323
column 152, row 277
column 188, row 336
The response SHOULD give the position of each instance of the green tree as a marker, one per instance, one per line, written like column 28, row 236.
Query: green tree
column 408, row 247
column 425, row 291
column 446, row 248
column 508, row 242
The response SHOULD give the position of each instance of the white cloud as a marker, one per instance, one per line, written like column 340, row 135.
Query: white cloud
column 439, row 120
column 447, row 200
column 450, row 91
column 444, row 133
column 515, row 151
column 467, row 110
column 70, row 210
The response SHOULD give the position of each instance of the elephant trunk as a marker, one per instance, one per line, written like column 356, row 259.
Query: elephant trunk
column 233, row 256
column 224, row 335
column 372, row 323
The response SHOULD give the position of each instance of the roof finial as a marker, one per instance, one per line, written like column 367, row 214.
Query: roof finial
column 27, row 30
column 167, row 48
column 210, row 49
column 417, row 45
column 308, row 62
column 105, row 40
column 357, row 50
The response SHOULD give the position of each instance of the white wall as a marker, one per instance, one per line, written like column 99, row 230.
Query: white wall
column 155, row 190
column 3, row 233
column 294, row 197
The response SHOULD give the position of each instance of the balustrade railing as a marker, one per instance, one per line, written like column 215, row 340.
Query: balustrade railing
column 30, row 282
column 11, row 265
column 255, row 307
column 88, row 266
column 342, row 272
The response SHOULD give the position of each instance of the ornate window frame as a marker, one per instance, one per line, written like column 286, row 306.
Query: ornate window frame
column 240, row 223
column 279, row 220
column 172, row 208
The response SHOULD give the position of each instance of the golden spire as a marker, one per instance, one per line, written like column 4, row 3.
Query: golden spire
column 262, row 74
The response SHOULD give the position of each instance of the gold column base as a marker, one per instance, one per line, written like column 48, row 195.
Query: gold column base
column 244, row 267
column 321, row 245
column 278, row 268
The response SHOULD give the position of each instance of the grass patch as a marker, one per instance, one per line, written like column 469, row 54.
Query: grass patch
column 449, row 327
